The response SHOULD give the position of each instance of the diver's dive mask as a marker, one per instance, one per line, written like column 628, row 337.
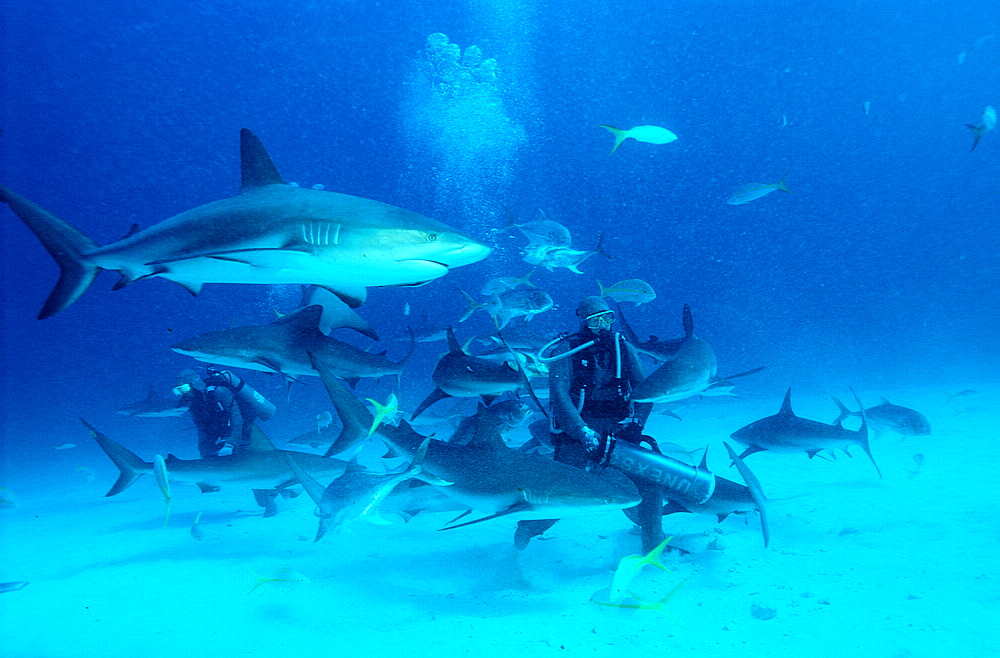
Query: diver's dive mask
column 600, row 320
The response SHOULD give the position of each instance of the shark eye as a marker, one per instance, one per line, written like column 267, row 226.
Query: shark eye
column 432, row 237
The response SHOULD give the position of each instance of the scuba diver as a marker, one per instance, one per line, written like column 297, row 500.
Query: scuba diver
column 590, row 391
column 224, row 408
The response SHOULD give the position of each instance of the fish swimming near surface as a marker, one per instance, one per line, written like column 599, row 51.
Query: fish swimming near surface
column 689, row 369
column 283, row 347
column 787, row 433
column 270, row 233
column 887, row 416
column 262, row 468
column 647, row 134
column 754, row 191
column 485, row 474
column 987, row 124
column 636, row 291
column 154, row 406
column 461, row 375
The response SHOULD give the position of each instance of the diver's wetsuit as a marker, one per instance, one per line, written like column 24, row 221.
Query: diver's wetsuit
column 585, row 391
column 225, row 413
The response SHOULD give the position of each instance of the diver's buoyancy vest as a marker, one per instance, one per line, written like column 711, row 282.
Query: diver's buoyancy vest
column 600, row 387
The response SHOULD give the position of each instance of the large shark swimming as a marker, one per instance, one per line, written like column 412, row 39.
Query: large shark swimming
column 269, row 233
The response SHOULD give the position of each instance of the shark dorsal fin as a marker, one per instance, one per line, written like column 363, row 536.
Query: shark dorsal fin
column 487, row 435
column 307, row 317
column 704, row 461
column 256, row 165
column 688, row 321
column 132, row 231
column 259, row 441
column 786, row 406
column 453, row 345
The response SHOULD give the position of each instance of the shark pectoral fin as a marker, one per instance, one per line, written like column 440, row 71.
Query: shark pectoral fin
column 208, row 488
column 435, row 395
column 756, row 492
column 193, row 287
column 488, row 399
column 267, row 498
column 519, row 506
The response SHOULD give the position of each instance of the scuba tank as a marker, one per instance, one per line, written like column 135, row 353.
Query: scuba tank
column 245, row 394
column 679, row 480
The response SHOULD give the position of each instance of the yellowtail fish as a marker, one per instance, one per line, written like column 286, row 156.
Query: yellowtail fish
column 647, row 134
column 390, row 407
column 285, row 575
column 65, row 446
column 630, row 566
column 754, row 191
column 636, row 291
column 163, row 481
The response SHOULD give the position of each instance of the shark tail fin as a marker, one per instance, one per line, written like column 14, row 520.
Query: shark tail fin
column 863, row 434
column 844, row 411
column 620, row 136
column 128, row 463
column 67, row 245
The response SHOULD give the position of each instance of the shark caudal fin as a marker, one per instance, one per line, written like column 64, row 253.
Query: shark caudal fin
column 845, row 413
column 67, row 245
column 863, row 433
column 620, row 136
column 130, row 465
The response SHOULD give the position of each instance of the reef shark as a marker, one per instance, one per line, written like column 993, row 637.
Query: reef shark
column 153, row 406
column 785, row 432
column 689, row 367
column 462, row 375
column 485, row 474
column 262, row 468
column 269, row 233
column 284, row 346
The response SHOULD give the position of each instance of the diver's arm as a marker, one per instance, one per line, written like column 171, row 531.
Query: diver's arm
column 564, row 412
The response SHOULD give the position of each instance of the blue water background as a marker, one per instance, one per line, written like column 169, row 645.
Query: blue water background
column 879, row 271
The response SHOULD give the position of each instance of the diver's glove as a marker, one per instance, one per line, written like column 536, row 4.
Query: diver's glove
column 591, row 440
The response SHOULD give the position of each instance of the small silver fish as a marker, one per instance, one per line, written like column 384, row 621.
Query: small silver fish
column 754, row 191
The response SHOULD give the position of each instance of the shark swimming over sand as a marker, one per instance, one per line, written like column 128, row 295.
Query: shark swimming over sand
column 689, row 367
column 153, row 406
column 284, row 346
column 787, row 433
column 262, row 468
column 462, row 375
column 485, row 474
column 269, row 233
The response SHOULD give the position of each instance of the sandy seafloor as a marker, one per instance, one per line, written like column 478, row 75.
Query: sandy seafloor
column 905, row 566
